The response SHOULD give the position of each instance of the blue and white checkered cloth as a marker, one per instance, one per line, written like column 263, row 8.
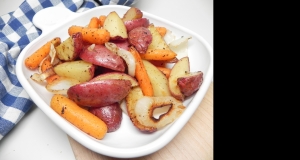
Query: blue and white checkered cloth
column 17, row 31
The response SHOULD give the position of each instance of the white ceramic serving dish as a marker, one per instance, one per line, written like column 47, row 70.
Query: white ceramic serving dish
column 127, row 141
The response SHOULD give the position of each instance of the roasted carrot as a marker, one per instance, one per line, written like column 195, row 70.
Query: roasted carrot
column 141, row 74
column 158, row 54
column 162, row 30
column 34, row 60
column 81, row 118
column 101, row 20
column 91, row 35
column 51, row 78
column 166, row 71
column 94, row 23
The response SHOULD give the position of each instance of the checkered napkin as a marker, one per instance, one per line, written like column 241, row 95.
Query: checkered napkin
column 16, row 31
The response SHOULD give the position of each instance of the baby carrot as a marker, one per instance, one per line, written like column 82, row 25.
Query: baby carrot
column 158, row 54
column 81, row 118
column 141, row 74
column 101, row 20
column 166, row 71
column 162, row 30
column 91, row 35
column 94, row 23
column 34, row 60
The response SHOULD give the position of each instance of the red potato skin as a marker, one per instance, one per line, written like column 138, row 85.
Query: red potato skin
column 140, row 38
column 103, row 57
column 189, row 85
column 99, row 93
column 110, row 114
column 118, row 38
column 78, row 44
column 134, row 23
column 122, row 44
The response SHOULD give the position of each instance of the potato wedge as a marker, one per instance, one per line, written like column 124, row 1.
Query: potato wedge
column 80, row 70
column 132, row 13
column 101, row 56
column 180, row 69
column 70, row 49
column 158, row 41
column 115, row 26
column 158, row 80
column 99, row 93
column 110, row 114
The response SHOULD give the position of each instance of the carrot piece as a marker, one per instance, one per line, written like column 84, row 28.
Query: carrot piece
column 81, row 118
column 46, row 64
column 166, row 71
column 34, row 60
column 162, row 30
column 158, row 54
column 141, row 74
column 101, row 20
column 51, row 78
column 94, row 23
column 91, row 35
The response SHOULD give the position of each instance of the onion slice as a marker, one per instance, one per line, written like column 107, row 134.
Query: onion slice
column 169, row 37
column 123, row 106
column 126, row 55
column 52, row 53
column 53, row 59
column 41, row 77
column 61, row 85
column 145, row 107
column 180, row 46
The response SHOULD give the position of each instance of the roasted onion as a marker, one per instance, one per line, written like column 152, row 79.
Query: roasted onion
column 145, row 107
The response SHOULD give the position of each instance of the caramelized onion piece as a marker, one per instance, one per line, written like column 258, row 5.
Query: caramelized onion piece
column 145, row 107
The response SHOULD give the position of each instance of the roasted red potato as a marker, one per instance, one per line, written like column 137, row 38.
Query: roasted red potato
column 140, row 38
column 122, row 44
column 99, row 55
column 116, row 75
column 110, row 114
column 190, row 83
column 70, row 49
column 132, row 13
column 115, row 26
column 99, row 93
column 134, row 23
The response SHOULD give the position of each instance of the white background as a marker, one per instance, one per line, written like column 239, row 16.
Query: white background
column 35, row 137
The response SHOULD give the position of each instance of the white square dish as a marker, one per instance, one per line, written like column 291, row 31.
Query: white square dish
column 127, row 141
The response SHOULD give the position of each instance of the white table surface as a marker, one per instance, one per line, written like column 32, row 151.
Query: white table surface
column 35, row 137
